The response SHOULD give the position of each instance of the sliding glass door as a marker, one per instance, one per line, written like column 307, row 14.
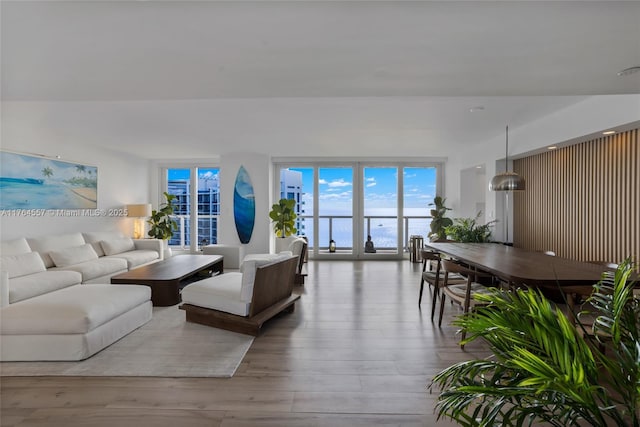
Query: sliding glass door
column 297, row 183
column 335, row 210
column 340, row 206
column 419, row 189
column 380, row 210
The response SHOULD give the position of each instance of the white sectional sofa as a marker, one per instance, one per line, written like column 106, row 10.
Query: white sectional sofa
column 55, row 297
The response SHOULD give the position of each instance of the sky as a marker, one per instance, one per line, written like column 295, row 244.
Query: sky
column 335, row 186
column 185, row 174
column 14, row 165
column 380, row 189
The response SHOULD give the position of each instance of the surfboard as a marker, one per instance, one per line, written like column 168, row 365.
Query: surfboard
column 244, row 205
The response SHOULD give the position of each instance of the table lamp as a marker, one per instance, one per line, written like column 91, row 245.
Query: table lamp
column 138, row 212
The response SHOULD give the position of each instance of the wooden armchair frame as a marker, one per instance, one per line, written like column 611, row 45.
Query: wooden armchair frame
column 272, row 294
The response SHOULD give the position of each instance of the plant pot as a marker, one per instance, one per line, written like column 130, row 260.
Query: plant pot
column 283, row 243
column 167, row 252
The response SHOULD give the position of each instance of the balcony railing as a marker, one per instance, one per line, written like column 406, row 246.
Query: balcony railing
column 207, row 230
column 412, row 225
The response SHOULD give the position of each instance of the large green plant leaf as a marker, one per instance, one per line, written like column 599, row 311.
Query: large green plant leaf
column 283, row 216
column 543, row 369
column 161, row 225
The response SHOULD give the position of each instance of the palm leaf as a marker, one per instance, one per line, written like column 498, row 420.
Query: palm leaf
column 542, row 368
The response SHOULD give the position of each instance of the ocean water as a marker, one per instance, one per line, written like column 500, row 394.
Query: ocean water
column 384, row 231
column 50, row 195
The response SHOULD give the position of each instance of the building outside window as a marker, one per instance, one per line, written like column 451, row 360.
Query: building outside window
column 206, row 204
column 291, row 185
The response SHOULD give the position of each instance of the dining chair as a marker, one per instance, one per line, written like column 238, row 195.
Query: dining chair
column 461, row 293
column 433, row 275
column 430, row 274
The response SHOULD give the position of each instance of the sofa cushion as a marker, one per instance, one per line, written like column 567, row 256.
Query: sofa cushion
column 22, row 264
column 4, row 288
column 73, row 255
column 14, row 247
column 45, row 244
column 117, row 246
column 137, row 257
column 296, row 246
column 74, row 310
column 96, row 237
column 220, row 292
column 249, row 266
column 104, row 266
column 23, row 287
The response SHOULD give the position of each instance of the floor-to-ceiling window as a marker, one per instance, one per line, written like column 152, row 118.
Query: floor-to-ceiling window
column 380, row 209
column 335, row 209
column 297, row 183
column 346, row 203
column 197, row 205
column 420, row 187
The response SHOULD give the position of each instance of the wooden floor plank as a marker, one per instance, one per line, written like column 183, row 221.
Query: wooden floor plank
column 357, row 351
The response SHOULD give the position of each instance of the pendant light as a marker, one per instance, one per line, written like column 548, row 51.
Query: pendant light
column 507, row 181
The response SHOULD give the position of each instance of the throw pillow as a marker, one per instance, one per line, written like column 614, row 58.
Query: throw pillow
column 117, row 246
column 22, row 264
column 73, row 255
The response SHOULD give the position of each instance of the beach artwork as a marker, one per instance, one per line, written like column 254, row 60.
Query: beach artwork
column 32, row 182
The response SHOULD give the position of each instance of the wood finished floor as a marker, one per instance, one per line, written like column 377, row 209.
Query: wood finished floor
column 356, row 352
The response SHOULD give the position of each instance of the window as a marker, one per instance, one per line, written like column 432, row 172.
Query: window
column 297, row 184
column 201, row 203
column 335, row 208
column 347, row 203
column 380, row 207
column 419, row 189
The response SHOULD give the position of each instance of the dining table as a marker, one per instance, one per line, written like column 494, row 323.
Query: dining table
column 523, row 268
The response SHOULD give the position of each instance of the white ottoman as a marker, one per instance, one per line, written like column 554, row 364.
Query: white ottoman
column 72, row 323
column 233, row 255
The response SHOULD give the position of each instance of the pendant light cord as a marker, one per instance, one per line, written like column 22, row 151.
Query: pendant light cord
column 506, row 152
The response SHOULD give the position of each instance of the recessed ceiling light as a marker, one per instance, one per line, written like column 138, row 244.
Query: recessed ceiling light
column 475, row 109
column 609, row 132
column 551, row 147
column 478, row 167
column 630, row 70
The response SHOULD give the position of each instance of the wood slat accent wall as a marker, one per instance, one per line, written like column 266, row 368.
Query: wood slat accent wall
column 582, row 201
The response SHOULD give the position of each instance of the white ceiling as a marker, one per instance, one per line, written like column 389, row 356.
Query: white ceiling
column 518, row 59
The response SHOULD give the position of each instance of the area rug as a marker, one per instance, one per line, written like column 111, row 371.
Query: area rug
column 167, row 346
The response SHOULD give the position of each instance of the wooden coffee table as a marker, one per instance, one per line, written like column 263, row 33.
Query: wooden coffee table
column 167, row 277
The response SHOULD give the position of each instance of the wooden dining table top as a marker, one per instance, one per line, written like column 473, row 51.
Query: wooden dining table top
column 520, row 266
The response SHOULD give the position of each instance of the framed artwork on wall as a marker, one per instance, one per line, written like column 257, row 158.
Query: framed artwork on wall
column 35, row 182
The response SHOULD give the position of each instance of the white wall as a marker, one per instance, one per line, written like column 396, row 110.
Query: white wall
column 573, row 124
column 122, row 179
column 472, row 182
column 258, row 167
column 82, row 131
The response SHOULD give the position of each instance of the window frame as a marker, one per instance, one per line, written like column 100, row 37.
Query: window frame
column 358, row 166
column 163, row 181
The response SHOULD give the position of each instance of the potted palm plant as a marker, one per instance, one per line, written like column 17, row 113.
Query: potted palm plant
column 161, row 225
column 468, row 230
column 544, row 368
